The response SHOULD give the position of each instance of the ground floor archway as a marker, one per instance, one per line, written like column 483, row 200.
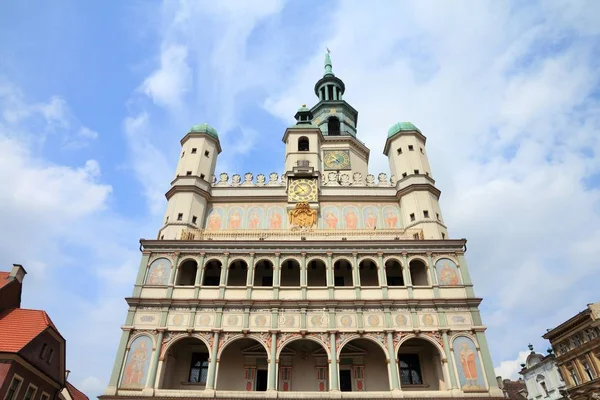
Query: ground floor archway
column 363, row 367
column 185, row 365
column 420, row 366
column 303, row 367
column 243, row 366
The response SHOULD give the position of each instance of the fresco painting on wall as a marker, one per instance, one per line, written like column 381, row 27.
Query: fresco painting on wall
column 351, row 215
column 447, row 272
column 159, row 271
column 137, row 363
column 330, row 217
column 234, row 218
column 275, row 216
column 390, row 215
column 214, row 220
column 469, row 368
column 255, row 218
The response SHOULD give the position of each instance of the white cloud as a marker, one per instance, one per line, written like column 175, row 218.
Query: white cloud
column 167, row 85
column 510, row 369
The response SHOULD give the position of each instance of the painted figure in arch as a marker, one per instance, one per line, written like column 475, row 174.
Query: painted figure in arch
column 275, row 220
column 448, row 275
column 469, row 367
column 467, row 362
column 351, row 220
column 370, row 219
column 391, row 219
column 136, row 364
column 235, row 220
column 254, row 220
column 331, row 220
column 214, row 221
column 157, row 274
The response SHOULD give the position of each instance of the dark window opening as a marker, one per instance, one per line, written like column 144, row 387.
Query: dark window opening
column 420, row 148
column 303, row 144
column 410, row 369
column 333, row 126
column 346, row 380
column 425, row 213
column 399, row 151
column 14, row 387
column 416, row 171
column 179, row 217
column 393, row 273
column 261, row 380
column 202, row 176
column 263, row 273
column 162, row 237
column 198, row 368
column 412, row 217
column 339, row 281
column 194, row 150
column 404, row 174
column 182, row 154
column 330, row 92
column 212, row 273
column 194, row 219
column 207, row 153
column 443, row 235
column 188, row 173
column 410, row 147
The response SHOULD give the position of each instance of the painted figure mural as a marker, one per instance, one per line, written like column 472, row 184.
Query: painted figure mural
column 158, row 273
column 351, row 219
column 370, row 217
column 469, row 368
column 391, row 217
column 447, row 272
column 235, row 219
column 331, row 219
column 213, row 222
column 136, row 365
column 275, row 219
column 255, row 218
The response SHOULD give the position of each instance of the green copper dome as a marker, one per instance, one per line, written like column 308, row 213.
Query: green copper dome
column 205, row 128
column 402, row 126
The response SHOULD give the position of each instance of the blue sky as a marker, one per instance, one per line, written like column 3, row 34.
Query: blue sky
column 94, row 98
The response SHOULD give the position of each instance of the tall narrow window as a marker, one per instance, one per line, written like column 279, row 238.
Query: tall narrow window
column 303, row 144
column 412, row 217
column 30, row 393
column 43, row 351
column 194, row 150
column 333, row 126
column 199, row 368
column 588, row 370
column 410, row 369
column 194, row 219
column 574, row 376
column 50, row 354
column 13, row 389
column 425, row 213
column 179, row 217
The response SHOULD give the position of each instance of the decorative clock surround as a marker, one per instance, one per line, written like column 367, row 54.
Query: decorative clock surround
column 303, row 189
column 337, row 159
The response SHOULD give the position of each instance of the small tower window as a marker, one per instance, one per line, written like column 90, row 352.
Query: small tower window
column 333, row 126
column 188, row 173
column 425, row 213
column 162, row 237
column 182, row 154
column 416, row 171
column 179, row 217
column 194, row 150
column 194, row 219
column 412, row 217
column 399, row 150
column 303, row 144
column 410, row 147
column 330, row 92
column 207, row 153
column 437, row 216
column 420, row 148
column 201, row 176
column 404, row 174
column 443, row 235
column 167, row 221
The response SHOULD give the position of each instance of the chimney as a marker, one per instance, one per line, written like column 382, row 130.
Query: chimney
column 67, row 372
column 17, row 272
column 499, row 381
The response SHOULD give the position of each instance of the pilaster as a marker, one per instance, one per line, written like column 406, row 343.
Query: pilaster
column 276, row 276
column 356, row 275
column 173, row 274
column 330, row 280
column 449, row 362
column 223, row 277
column 250, row 277
column 406, row 276
column 392, row 362
column 139, row 280
column 333, row 364
column 487, row 359
column 433, row 275
column 154, row 362
column 273, row 362
column 199, row 276
column 212, row 366
column 303, row 275
column 382, row 277
column 464, row 273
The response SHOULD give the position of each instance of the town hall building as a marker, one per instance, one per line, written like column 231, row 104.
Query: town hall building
column 325, row 281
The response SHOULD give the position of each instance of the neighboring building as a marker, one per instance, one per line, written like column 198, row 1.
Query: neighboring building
column 324, row 280
column 32, row 351
column 514, row 390
column 542, row 377
column 576, row 343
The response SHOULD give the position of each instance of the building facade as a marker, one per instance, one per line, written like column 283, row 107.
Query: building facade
column 542, row 377
column 576, row 343
column 324, row 282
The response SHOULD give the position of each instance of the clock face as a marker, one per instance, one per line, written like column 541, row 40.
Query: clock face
column 336, row 159
column 303, row 190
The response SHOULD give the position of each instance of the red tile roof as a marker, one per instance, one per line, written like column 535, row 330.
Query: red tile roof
column 4, row 279
column 75, row 393
column 18, row 326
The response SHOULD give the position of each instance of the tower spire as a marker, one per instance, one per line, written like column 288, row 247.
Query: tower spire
column 328, row 67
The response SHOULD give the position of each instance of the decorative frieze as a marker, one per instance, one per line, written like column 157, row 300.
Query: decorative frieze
column 332, row 178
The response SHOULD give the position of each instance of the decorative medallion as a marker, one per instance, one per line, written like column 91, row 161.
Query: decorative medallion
column 302, row 216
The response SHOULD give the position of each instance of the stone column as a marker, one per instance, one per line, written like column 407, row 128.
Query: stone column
column 392, row 362
column 139, row 280
column 303, row 275
column 449, row 362
column 113, row 382
column 330, row 279
column 276, row 276
column 406, row 275
column 199, row 275
column 382, row 277
column 356, row 275
column 223, row 277
column 333, row 364
column 212, row 366
column 174, row 269
column 154, row 362
column 487, row 359
column 433, row 275
column 250, row 277
column 464, row 273
column 273, row 363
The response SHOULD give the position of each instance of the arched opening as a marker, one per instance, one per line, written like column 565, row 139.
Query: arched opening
column 542, row 382
column 316, row 273
column 243, row 366
column 393, row 273
column 363, row 367
column 290, row 273
column 333, row 126
column 300, row 362
column 212, row 273
column 368, row 273
column 420, row 366
column 238, row 270
column 186, row 276
column 303, row 144
column 185, row 365
column 418, row 273
column 342, row 273
column 263, row 273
